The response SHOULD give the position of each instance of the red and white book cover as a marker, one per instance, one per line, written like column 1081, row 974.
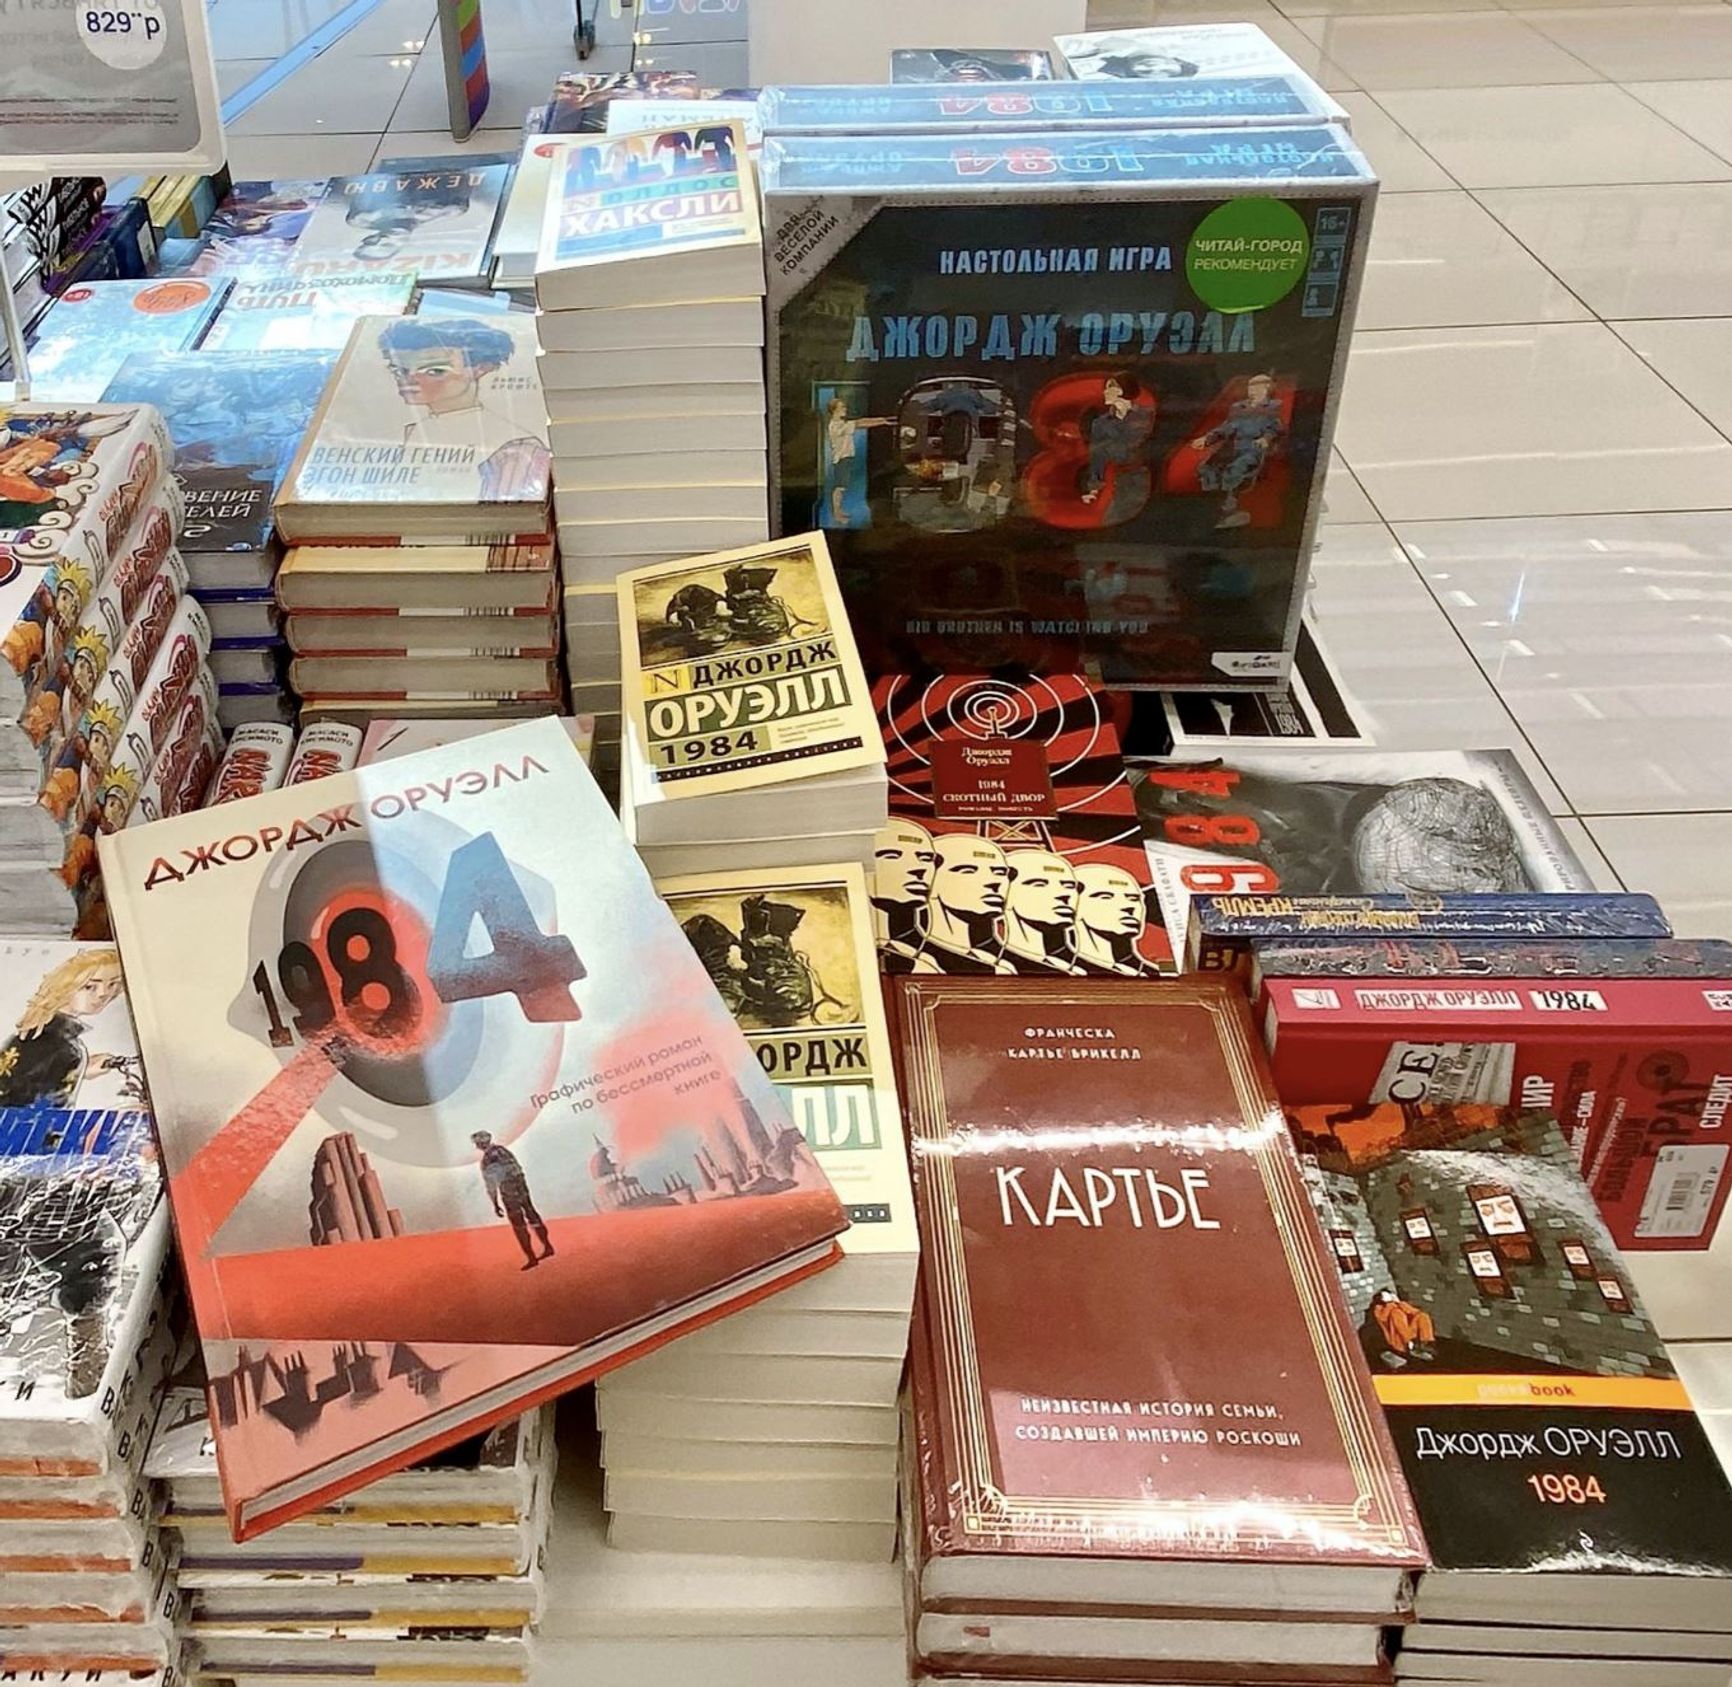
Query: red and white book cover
column 453, row 1117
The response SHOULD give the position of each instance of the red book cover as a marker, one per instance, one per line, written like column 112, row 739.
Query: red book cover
column 1135, row 1345
column 1638, row 1072
column 452, row 1116
column 1013, row 845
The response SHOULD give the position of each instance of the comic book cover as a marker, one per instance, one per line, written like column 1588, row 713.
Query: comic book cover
column 1177, row 53
column 579, row 104
column 72, row 482
column 83, row 1231
column 95, row 326
column 255, row 228
column 1347, row 822
column 287, row 312
column 970, row 64
column 1094, row 431
column 236, row 421
column 565, row 1130
column 1013, row 844
column 444, row 412
column 432, row 223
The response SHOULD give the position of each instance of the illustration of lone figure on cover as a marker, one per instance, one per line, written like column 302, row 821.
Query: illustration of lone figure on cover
column 844, row 459
column 1118, row 435
column 508, row 1190
column 1239, row 445
column 441, row 366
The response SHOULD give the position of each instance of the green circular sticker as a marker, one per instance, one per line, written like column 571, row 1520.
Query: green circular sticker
column 1248, row 254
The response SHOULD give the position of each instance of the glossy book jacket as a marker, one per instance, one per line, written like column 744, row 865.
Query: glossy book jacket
column 1133, row 1347
column 452, row 1116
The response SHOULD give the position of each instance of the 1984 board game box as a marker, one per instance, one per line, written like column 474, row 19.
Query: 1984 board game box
column 1093, row 434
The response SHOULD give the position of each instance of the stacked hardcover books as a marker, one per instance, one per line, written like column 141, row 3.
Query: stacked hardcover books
column 502, row 974
column 749, row 734
column 618, row 1618
column 433, row 1573
column 1086, row 1499
column 105, row 700
column 650, row 283
column 236, row 420
column 1580, row 1525
column 422, row 576
column 87, row 1340
column 773, row 1432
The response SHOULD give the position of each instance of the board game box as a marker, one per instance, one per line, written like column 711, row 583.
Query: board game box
column 1093, row 434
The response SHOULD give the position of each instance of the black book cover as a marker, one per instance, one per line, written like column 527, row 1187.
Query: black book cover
column 1539, row 1420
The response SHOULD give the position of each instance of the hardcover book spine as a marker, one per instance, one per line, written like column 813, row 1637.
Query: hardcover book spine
column 1223, row 927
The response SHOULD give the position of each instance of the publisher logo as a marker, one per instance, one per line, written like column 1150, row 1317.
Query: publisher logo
column 1719, row 1000
column 1316, row 999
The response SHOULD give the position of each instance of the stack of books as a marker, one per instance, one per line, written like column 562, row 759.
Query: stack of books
column 749, row 737
column 1579, row 1521
column 434, row 1572
column 421, row 576
column 589, row 615
column 41, row 229
column 104, row 691
column 773, row 1432
column 650, row 284
column 1142, row 1444
column 88, row 1337
column 618, row 1618
column 236, row 420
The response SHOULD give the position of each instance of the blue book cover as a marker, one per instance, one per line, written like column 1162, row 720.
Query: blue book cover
column 287, row 311
column 1062, row 400
column 95, row 326
column 235, row 421
column 982, row 107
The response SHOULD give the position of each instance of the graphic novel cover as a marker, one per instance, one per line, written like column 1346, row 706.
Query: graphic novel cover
column 790, row 951
column 235, row 421
column 435, row 411
column 970, row 64
column 579, row 104
column 1493, row 1305
column 1174, row 53
column 1091, row 429
column 757, row 636
column 82, row 1229
column 1095, row 1157
column 1013, row 844
column 448, row 1036
column 95, row 326
column 287, row 312
column 432, row 223
column 256, row 227
column 1347, row 822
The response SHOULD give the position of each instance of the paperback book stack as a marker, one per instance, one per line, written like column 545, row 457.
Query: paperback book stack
column 619, row 1618
column 774, row 1432
column 421, row 577
column 749, row 736
column 87, row 1341
column 1093, row 1159
column 650, row 284
column 434, row 1573
column 1595, row 1548
column 236, row 421
column 102, row 650
column 590, row 628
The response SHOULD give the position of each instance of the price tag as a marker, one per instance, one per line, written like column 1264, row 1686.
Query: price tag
column 127, row 36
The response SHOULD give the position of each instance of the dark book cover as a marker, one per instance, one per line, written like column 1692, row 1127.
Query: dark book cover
column 1012, row 844
column 970, row 64
column 1043, row 405
column 1133, row 1345
column 235, row 421
column 1538, row 1418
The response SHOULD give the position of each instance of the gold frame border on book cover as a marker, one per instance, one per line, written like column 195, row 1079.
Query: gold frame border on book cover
column 983, row 1508
column 856, row 721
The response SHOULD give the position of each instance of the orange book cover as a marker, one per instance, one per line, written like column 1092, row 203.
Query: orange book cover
column 452, row 1116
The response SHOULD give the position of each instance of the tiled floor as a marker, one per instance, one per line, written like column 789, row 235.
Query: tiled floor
column 1529, row 530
